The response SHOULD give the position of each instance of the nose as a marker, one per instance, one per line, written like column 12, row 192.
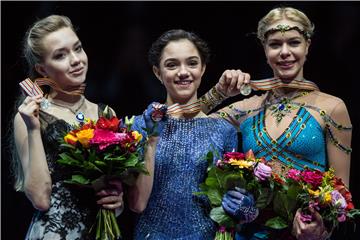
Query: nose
column 285, row 51
column 74, row 59
column 183, row 72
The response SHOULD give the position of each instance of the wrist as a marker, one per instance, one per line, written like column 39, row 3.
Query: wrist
column 219, row 92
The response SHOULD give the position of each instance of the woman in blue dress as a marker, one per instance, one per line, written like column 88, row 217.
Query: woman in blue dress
column 293, row 123
column 175, row 158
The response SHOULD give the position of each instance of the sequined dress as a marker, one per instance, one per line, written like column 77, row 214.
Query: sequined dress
column 173, row 211
column 72, row 210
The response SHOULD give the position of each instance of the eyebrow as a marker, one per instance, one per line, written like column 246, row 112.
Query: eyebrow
column 62, row 49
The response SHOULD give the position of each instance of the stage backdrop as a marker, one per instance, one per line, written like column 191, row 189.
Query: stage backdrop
column 117, row 35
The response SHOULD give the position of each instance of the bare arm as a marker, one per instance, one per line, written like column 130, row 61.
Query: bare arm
column 37, row 180
column 339, row 159
column 139, row 193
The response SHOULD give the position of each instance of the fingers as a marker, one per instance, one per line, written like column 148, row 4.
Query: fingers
column 111, row 202
column 231, row 81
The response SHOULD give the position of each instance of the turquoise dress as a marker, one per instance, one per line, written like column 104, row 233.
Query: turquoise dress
column 173, row 211
column 301, row 144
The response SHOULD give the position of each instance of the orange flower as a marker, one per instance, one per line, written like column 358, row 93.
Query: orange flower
column 70, row 139
column 84, row 136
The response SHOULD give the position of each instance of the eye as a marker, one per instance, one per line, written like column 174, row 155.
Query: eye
column 59, row 56
column 193, row 63
column 294, row 43
column 79, row 48
column 274, row 45
column 170, row 65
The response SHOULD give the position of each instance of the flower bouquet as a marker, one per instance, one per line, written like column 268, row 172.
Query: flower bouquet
column 235, row 170
column 95, row 152
column 311, row 189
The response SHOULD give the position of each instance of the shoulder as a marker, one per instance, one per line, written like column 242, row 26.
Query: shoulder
column 331, row 104
column 251, row 103
column 223, row 126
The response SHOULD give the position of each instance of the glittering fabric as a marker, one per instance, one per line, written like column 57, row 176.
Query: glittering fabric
column 173, row 211
column 301, row 144
column 72, row 210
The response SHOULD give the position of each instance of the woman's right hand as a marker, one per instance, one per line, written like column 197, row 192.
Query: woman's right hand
column 29, row 112
column 154, row 116
column 231, row 81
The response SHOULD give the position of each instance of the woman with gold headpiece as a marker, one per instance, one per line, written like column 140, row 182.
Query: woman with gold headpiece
column 293, row 123
column 53, row 50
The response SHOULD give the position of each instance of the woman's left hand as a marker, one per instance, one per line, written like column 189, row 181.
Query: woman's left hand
column 112, row 196
column 314, row 230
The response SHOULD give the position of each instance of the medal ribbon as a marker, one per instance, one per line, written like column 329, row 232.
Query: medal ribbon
column 186, row 108
column 273, row 83
column 30, row 88
column 76, row 90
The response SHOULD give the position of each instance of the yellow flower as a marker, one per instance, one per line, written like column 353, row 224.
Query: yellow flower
column 241, row 163
column 314, row 193
column 70, row 139
column 137, row 136
column 327, row 197
column 84, row 136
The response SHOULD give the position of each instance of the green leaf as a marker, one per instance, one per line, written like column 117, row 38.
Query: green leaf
column 234, row 180
column 211, row 182
column 78, row 179
column 214, row 197
column 264, row 198
column 218, row 215
column 276, row 223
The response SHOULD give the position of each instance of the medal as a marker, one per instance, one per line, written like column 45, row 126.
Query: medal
column 245, row 89
column 44, row 104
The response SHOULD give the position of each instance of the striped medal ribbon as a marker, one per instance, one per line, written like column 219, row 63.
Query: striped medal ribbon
column 273, row 83
column 177, row 109
column 32, row 89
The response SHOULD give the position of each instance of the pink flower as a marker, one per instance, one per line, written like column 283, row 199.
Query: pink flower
column 294, row 174
column 222, row 229
column 342, row 217
column 105, row 138
column 338, row 200
column 233, row 155
column 262, row 171
column 219, row 163
column 312, row 177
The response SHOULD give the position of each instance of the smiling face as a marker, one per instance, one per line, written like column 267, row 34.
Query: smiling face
column 180, row 70
column 64, row 59
column 286, row 51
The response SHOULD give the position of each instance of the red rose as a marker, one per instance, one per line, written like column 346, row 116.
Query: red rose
column 108, row 124
column 314, row 178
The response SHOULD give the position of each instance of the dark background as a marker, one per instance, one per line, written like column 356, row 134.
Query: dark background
column 117, row 35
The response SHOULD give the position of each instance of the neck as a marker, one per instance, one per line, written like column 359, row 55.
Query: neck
column 170, row 101
column 65, row 98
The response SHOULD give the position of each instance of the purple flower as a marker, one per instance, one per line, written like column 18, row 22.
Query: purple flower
column 338, row 200
column 262, row 171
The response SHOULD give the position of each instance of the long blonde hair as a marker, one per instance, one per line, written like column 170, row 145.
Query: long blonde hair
column 33, row 51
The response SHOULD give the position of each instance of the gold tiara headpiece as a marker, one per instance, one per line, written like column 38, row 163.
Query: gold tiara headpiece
column 285, row 28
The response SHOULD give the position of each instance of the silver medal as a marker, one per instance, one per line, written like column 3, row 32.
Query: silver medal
column 245, row 89
column 44, row 104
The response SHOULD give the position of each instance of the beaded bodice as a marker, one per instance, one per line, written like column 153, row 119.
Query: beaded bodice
column 173, row 211
column 301, row 144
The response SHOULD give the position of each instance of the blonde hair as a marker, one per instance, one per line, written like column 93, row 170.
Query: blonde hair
column 288, row 13
column 33, row 51
column 33, row 41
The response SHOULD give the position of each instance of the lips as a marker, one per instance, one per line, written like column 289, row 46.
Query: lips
column 286, row 64
column 183, row 82
column 77, row 71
